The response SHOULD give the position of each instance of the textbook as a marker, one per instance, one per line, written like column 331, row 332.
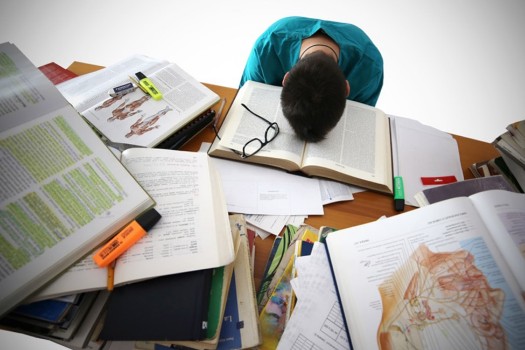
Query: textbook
column 192, row 234
column 218, row 296
column 63, row 191
column 511, row 147
column 239, row 325
column 445, row 276
column 167, row 307
column 357, row 151
column 463, row 188
column 74, row 331
column 134, row 117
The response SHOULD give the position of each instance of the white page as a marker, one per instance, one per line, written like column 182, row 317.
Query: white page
column 423, row 151
column 272, row 224
column 15, row 340
column 255, row 189
column 382, row 256
column 90, row 89
column 188, row 234
column 504, row 214
column 316, row 321
column 186, row 238
column 333, row 191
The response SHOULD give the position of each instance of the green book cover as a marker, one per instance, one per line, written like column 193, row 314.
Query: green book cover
column 214, row 310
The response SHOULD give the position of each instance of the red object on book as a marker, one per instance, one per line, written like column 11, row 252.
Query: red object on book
column 438, row 180
column 56, row 73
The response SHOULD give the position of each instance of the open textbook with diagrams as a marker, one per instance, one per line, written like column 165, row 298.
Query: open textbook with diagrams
column 445, row 276
column 357, row 151
column 62, row 191
column 135, row 118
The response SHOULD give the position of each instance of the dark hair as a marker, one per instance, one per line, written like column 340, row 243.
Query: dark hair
column 313, row 97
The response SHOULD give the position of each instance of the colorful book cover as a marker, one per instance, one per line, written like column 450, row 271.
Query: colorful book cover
column 56, row 73
column 288, row 237
column 274, row 314
column 240, row 325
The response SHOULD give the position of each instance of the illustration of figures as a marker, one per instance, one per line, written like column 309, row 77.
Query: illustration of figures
column 124, row 110
column 441, row 300
column 109, row 102
column 143, row 126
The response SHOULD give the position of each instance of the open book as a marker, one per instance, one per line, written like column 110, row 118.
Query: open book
column 357, row 151
column 135, row 118
column 63, row 192
column 445, row 276
column 192, row 234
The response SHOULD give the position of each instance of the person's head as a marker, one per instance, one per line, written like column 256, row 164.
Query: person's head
column 313, row 97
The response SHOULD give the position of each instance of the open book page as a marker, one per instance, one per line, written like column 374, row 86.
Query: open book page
column 359, row 146
column 240, row 126
column 504, row 215
column 192, row 234
column 63, row 191
column 423, row 151
column 356, row 151
column 432, row 271
column 82, row 276
column 194, row 231
column 136, row 118
column 91, row 89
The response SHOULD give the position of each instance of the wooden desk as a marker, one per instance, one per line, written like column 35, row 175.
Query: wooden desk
column 366, row 207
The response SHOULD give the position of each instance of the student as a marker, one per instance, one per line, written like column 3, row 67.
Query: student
column 319, row 64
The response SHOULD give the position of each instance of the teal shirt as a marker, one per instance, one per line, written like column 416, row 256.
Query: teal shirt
column 277, row 50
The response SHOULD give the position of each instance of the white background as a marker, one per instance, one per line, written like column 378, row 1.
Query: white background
column 455, row 65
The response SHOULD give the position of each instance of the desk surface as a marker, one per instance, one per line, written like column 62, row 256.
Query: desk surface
column 366, row 207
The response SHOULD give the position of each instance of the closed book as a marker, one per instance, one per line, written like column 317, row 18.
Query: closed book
column 463, row 188
column 172, row 307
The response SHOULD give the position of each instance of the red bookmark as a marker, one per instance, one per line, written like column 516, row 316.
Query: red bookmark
column 438, row 180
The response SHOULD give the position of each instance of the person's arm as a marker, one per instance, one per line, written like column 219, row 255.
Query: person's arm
column 253, row 69
column 369, row 94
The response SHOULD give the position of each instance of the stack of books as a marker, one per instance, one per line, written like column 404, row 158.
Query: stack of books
column 510, row 164
column 66, row 194
column 511, row 146
column 71, row 320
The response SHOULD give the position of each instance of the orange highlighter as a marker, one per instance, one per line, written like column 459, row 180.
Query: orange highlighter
column 126, row 238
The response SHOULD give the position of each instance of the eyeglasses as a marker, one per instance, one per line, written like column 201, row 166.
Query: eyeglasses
column 255, row 145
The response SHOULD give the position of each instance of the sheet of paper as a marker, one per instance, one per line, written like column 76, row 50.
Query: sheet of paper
column 423, row 151
column 14, row 340
column 254, row 189
column 333, row 191
column 317, row 321
column 272, row 224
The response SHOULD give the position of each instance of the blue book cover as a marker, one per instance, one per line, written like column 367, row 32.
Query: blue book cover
column 51, row 310
column 230, row 337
